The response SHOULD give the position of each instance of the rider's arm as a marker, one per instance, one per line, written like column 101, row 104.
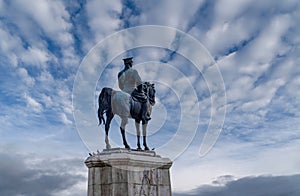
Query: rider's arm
column 121, row 80
column 137, row 78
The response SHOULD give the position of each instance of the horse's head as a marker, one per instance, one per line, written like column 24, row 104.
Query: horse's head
column 150, row 92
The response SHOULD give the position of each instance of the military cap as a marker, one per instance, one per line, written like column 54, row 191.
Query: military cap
column 126, row 60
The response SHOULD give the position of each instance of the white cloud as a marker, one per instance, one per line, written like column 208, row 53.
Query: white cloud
column 10, row 45
column 46, row 78
column 32, row 104
column 262, row 95
column 167, row 12
column 35, row 56
column 41, row 30
column 228, row 10
column 29, row 81
column 50, row 16
column 47, row 100
column 269, row 43
column 103, row 17
column 259, row 71
column 65, row 119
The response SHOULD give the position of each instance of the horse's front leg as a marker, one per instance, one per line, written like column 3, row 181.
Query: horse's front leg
column 122, row 128
column 144, row 136
column 138, row 134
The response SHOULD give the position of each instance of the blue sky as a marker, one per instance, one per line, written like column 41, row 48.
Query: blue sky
column 256, row 46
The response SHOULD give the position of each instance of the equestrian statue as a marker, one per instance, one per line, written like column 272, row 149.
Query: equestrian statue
column 134, row 101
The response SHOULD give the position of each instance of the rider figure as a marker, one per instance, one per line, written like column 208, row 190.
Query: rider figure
column 128, row 80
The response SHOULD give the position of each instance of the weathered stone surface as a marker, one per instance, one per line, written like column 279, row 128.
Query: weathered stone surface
column 163, row 190
column 123, row 172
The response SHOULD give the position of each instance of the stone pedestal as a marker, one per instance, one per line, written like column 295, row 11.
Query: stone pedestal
column 121, row 172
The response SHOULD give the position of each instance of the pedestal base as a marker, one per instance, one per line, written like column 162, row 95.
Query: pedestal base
column 122, row 172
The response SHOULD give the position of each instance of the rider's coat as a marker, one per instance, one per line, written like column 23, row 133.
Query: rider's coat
column 129, row 79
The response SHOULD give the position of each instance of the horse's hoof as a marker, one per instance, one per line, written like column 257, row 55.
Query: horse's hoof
column 127, row 147
column 108, row 147
column 146, row 148
column 139, row 149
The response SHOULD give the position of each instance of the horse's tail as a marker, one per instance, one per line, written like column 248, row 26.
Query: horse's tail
column 104, row 102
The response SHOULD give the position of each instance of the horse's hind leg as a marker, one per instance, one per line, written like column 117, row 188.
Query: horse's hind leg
column 109, row 117
column 144, row 136
column 138, row 134
column 122, row 128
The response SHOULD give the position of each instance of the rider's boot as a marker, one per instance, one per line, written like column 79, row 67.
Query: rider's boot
column 145, row 117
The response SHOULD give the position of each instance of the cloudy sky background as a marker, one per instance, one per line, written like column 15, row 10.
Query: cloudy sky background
column 255, row 44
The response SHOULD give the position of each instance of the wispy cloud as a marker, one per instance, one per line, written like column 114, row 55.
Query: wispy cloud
column 227, row 157
column 253, row 185
column 27, row 175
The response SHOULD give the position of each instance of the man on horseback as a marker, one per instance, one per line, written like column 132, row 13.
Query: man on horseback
column 128, row 80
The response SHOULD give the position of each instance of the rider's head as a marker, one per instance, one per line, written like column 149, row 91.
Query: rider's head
column 128, row 62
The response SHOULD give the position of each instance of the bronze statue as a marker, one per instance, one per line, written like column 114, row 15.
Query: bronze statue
column 134, row 101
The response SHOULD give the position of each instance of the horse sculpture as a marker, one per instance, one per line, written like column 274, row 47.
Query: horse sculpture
column 126, row 106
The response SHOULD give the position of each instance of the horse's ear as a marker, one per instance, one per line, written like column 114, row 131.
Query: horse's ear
column 152, row 85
